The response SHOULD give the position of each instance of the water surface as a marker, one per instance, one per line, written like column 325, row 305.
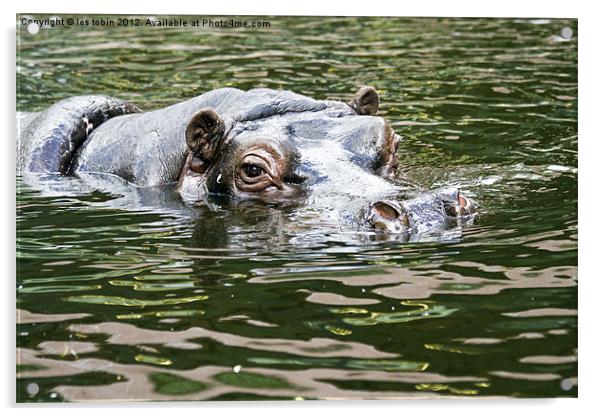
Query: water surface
column 128, row 295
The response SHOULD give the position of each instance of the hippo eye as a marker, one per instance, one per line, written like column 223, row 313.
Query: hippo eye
column 253, row 171
column 257, row 171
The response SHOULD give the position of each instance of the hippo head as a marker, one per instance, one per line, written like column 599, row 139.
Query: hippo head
column 326, row 150
column 332, row 155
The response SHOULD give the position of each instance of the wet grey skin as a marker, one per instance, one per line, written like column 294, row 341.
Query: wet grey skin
column 262, row 144
column 423, row 214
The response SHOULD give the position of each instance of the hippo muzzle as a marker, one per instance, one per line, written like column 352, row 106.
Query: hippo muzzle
column 425, row 213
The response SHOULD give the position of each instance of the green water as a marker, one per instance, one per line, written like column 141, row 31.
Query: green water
column 119, row 300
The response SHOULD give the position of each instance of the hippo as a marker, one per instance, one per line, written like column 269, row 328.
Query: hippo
column 263, row 145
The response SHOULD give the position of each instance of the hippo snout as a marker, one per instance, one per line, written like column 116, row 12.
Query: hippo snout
column 426, row 213
column 388, row 216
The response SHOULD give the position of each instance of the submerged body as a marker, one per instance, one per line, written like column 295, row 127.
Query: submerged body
column 266, row 145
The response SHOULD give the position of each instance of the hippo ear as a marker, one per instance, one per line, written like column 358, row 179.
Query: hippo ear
column 204, row 133
column 365, row 101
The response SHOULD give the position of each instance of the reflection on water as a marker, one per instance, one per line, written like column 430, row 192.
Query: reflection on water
column 128, row 294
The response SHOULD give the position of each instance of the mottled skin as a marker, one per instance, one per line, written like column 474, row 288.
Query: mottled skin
column 274, row 146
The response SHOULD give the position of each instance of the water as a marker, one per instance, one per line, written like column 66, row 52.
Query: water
column 120, row 299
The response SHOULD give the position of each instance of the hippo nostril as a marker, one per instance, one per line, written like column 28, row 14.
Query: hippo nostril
column 388, row 216
column 386, row 209
column 458, row 206
column 380, row 225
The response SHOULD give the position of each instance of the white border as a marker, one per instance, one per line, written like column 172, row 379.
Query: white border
column 458, row 8
column 590, row 73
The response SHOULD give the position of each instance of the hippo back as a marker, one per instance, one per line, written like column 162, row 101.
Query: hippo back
column 47, row 140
